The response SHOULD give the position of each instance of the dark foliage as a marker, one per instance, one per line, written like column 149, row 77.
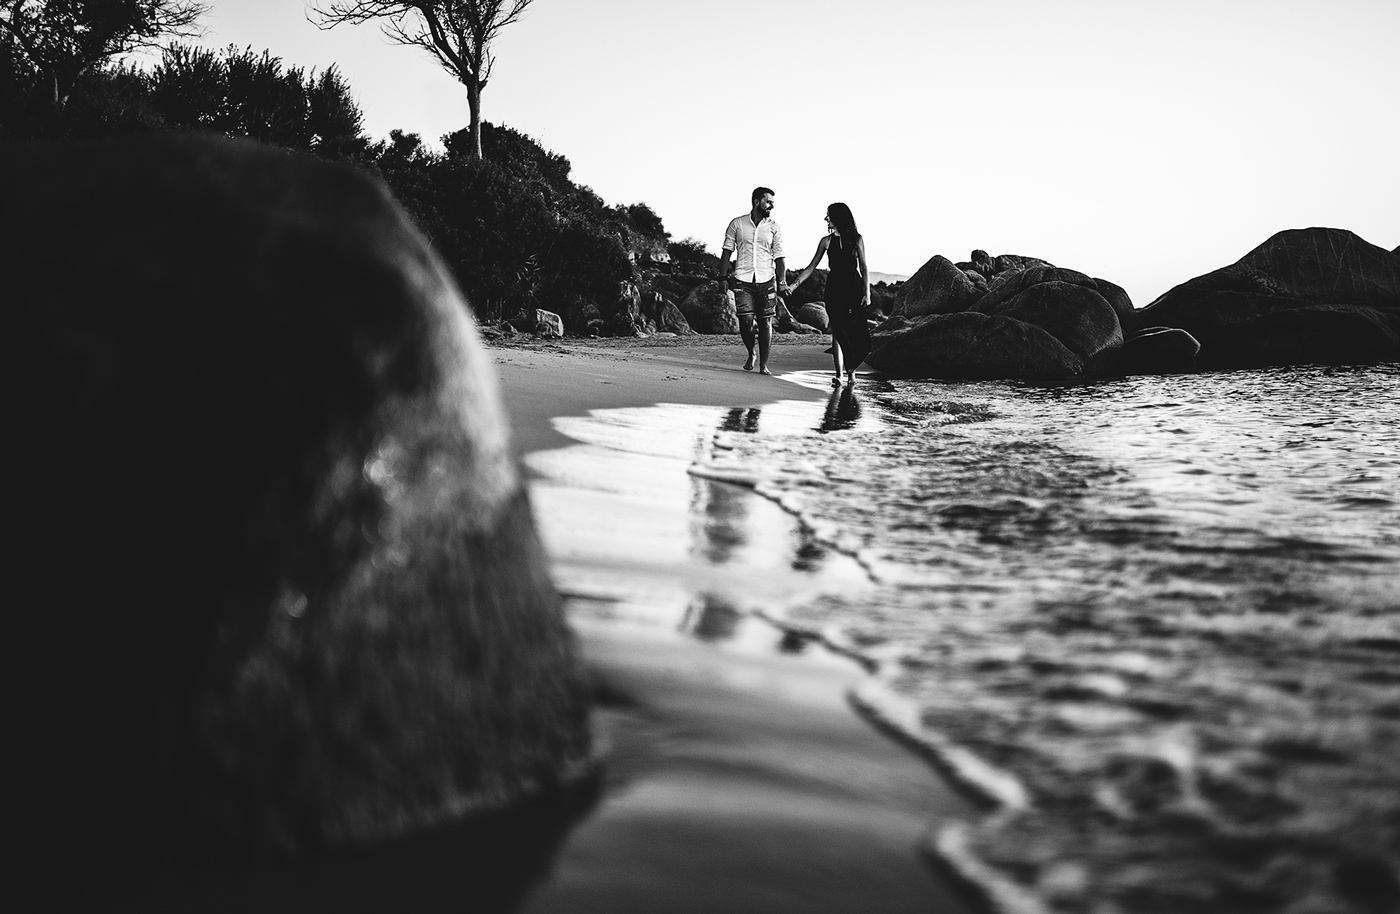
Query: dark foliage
column 56, row 43
column 513, row 227
column 882, row 295
column 814, row 289
column 236, row 93
column 517, row 233
column 252, row 95
column 676, row 286
column 691, row 256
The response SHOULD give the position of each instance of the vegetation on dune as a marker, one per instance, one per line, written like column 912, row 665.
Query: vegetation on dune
column 503, row 212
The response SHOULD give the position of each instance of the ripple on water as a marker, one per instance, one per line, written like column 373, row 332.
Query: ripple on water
column 1165, row 607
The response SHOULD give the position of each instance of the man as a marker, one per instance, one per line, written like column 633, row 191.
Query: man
column 756, row 244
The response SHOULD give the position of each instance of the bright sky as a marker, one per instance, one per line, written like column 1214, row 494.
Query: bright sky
column 1143, row 141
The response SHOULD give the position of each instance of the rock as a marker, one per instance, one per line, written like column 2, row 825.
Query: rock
column 1010, row 283
column 708, row 310
column 1079, row 326
column 1159, row 350
column 1128, row 316
column 541, row 323
column 1077, row 316
column 783, row 321
column 283, row 589
column 664, row 315
column 1319, row 334
column 1314, row 295
column 1003, row 262
column 786, row 323
column 624, row 318
column 813, row 314
column 938, row 287
column 970, row 346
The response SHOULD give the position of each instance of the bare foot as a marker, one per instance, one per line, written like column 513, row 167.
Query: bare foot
column 836, row 381
column 763, row 369
column 748, row 366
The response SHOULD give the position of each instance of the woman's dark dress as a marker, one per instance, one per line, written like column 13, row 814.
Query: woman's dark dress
column 844, row 288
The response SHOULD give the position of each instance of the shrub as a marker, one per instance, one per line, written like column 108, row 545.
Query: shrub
column 691, row 256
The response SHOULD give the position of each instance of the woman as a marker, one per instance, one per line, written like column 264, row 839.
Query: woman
column 847, row 290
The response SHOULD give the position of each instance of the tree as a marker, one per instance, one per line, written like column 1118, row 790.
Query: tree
column 457, row 32
column 59, row 41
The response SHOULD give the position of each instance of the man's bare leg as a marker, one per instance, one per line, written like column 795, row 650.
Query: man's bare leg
column 765, row 344
column 746, row 331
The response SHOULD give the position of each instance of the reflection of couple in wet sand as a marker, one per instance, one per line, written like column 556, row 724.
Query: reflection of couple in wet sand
column 755, row 242
column 842, row 412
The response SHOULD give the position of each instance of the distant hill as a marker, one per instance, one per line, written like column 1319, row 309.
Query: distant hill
column 886, row 277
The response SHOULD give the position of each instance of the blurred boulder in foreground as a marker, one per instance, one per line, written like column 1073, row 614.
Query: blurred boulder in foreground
column 1315, row 295
column 284, row 588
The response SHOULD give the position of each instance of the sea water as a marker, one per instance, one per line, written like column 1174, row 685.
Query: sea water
column 1154, row 622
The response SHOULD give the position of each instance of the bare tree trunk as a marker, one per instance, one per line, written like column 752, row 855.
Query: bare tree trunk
column 474, row 103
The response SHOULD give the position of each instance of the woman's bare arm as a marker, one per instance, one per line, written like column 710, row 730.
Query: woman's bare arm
column 816, row 259
column 864, row 271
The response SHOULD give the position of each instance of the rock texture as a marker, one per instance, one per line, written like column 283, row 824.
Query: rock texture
column 708, row 310
column 623, row 317
column 813, row 314
column 1316, row 295
column 662, row 316
column 938, row 287
column 541, row 323
column 283, row 586
column 971, row 346
column 1003, row 317
column 786, row 322
column 1159, row 350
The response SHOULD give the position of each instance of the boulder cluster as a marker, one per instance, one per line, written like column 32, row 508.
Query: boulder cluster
column 641, row 312
column 1316, row 295
column 1313, row 295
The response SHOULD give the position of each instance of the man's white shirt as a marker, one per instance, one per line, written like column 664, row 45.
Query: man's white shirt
column 755, row 247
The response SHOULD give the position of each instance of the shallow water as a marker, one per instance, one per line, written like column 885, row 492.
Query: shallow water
column 1156, row 620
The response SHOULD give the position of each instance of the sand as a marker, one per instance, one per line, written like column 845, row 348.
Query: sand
column 738, row 777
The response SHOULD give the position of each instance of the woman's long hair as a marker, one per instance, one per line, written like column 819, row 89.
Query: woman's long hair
column 844, row 222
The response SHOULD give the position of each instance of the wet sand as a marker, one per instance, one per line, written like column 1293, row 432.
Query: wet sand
column 738, row 777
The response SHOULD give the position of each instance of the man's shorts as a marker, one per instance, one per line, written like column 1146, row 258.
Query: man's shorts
column 757, row 298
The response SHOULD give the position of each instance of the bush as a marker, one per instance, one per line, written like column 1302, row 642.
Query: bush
column 249, row 95
column 583, row 265
column 691, row 256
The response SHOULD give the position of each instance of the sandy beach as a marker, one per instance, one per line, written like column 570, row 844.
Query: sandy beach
column 737, row 775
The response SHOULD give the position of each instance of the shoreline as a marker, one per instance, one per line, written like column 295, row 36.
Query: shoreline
column 738, row 773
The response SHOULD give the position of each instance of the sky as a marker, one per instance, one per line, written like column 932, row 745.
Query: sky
column 1141, row 141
